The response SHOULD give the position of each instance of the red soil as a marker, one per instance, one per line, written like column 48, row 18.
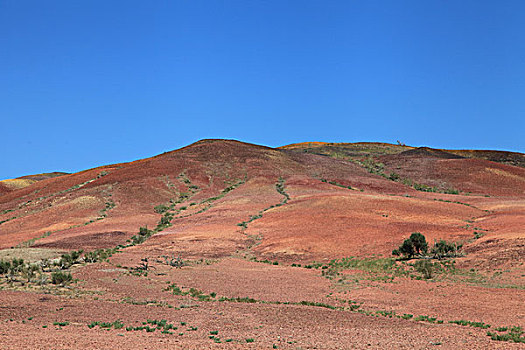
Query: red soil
column 320, row 221
column 467, row 175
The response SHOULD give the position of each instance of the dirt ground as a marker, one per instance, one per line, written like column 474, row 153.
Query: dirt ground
column 265, row 249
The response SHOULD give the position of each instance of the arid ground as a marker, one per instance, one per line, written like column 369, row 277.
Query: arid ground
column 229, row 245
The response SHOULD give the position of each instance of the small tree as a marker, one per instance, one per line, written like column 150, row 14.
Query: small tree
column 419, row 242
column 407, row 248
column 415, row 245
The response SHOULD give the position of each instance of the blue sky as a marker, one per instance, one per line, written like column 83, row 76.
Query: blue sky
column 86, row 83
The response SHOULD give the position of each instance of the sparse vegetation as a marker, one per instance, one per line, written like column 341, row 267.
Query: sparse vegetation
column 68, row 260
column 470, row 323
column 512, row 334
column 443, row 249
column 99, row 255
column 425, row 267
column 9, row 219
column 417, row 246
column 378, row 168
column 161, row 209
column 359, row 277
column 61, row 278
column 429, row 319
column 335, row 183
column 172, row 261
column 195, row 293
column 32, row 241
column 149, row 326
column 22, row 272
column 280, row 187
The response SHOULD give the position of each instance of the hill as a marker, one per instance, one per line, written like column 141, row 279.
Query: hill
column 24, row 181
column 272, row 243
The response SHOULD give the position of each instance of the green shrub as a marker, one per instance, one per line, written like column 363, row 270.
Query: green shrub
column 405, row 249
column 99, row 255
column 426, row 318
column 515, row 334
column 425, row 267
column 61, row 278
column 68, row 260
column 5, row 266
column 394, row 176
column 419, row 242
column 16, row 265
column 144, row 234
column 415, row 245
column 118, row 324
column 161, row 209
column 144, row 231
column 165, row 219
column 470, row 323
column 29, row 271
column 443, row 249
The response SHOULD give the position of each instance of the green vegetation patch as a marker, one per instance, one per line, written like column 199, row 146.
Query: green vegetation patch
column 510, row 334
column 470, row 323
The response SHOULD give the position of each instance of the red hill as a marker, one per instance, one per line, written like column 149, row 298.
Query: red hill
column 228, row 225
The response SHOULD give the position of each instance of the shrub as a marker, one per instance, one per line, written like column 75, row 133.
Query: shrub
column 29, row 271
column 91, row 257
column 99, row 255
column 416, row 244
column 161, row 209
column 515, row 334
column 471, row 323
column 394, row 176
column 67, row 260
column 16, row 265
column 4, row 267
column 442, row 249
column 143, row 231
column 419, row 242
column 144, row 234
column 406, row 249
column 425, row 267
column 61, row 278
column 165, row 220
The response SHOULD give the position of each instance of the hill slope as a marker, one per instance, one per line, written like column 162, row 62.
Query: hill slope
column 228, row 224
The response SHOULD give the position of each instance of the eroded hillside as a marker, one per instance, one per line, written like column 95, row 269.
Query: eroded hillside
column 250, row 246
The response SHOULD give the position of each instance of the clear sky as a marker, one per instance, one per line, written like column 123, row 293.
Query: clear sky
column 87, row 83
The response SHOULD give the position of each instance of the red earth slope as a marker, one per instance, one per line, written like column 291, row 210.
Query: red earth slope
column 244, row 217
